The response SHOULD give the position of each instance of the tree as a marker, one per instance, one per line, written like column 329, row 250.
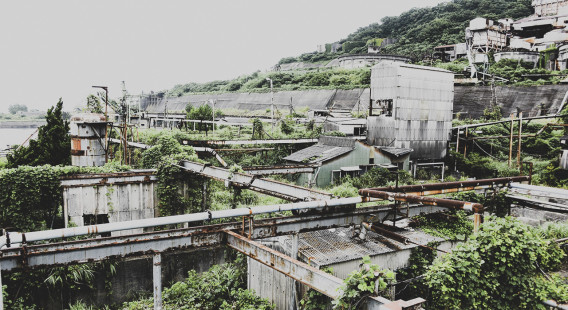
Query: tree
column 15, row 108
column 52, row 146
column 94, row 104
column 202, row 113
column 500, row 267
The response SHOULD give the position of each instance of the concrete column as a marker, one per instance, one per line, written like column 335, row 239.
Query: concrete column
column 204, row 195
column 1, row 292
column 157, row 277
column 294, row 255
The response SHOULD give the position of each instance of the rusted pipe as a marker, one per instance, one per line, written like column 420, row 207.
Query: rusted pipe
column 448, row 203
column 436, row 188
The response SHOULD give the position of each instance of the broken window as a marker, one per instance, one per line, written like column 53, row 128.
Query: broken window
column 382, row 107
column 94, row 219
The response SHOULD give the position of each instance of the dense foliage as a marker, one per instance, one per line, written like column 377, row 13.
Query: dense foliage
column 500, row 267
column 324, row 78
column 29, row 198
column 15, row 108
column 369, row 280
column 418, row 30
column 220, row 288
column 52, row 146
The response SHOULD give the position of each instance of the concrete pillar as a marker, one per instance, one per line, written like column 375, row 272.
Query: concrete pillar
column 204, row 196
column 294, row 255
column 1, row 291
column 157, row 277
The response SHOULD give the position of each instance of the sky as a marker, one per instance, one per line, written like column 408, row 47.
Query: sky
column 60, row 48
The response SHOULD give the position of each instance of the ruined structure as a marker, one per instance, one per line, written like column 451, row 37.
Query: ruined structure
column 88, row 147
column 411, row 107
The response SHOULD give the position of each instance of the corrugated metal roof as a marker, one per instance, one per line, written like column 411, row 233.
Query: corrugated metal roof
column 326, row 149
column 336, row 141
column 330, row 246
column 395, row 151
column 318, row 153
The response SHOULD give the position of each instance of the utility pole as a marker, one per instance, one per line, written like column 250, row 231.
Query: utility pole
column 213, row 104
column 105, row 88
column 271, row 104
column 511, row 141
column 125, row 114
column 519, row 147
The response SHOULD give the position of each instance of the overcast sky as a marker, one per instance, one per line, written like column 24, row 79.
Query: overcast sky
column 60, row 48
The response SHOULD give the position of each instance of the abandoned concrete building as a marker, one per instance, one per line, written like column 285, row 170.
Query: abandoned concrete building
column 523, row 39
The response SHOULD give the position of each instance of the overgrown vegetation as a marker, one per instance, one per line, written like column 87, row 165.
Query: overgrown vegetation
column 220, row 288
column 323, row 78
column 420, row 29
column 52, row 146
column 500, row 267
column 369, row 280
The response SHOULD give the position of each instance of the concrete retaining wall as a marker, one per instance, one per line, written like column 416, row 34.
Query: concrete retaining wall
column 469, row 101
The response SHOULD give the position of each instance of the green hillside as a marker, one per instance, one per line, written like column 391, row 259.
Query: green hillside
column 421, row 29
column 417, row 32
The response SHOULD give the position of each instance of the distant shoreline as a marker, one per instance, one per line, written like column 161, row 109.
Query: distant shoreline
column 22, row 124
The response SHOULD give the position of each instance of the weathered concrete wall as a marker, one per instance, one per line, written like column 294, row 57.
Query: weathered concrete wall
column 470, row 101
column 133, row 277
column 312, row 99
column 122, row 196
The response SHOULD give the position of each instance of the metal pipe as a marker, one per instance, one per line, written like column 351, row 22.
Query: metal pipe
column 450, row 185
column 172, row 220
column 448, row 203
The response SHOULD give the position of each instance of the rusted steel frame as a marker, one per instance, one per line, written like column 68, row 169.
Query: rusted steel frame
column 184, row 239
column 454, row 204
column 502, row 122
column 539, row 204
column 256, row 142
column 392, row 235
column 314, row 278
column 266, row 186
column 436, row 187
column 147, row 172
column 258, row 149
column 130, row 143
column 280, row 167
column 16, row 237
column 279, row 170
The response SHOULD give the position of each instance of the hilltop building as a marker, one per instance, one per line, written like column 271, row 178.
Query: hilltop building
column 539, row 38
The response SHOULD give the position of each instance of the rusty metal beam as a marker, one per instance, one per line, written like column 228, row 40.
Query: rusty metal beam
column 288, row 169
column 316, row 279
column 186, row 239
column 265, row 186
column 454, row 204
column 130, row 143
column 257, row 149
column 110, row 179
column 312, row 277
column 451, row 187
column 250, row 142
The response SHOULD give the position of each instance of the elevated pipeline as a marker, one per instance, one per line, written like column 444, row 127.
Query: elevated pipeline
column 449, row 187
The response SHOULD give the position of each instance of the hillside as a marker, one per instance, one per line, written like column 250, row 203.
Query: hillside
column 417, row 32
column 420, row 29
